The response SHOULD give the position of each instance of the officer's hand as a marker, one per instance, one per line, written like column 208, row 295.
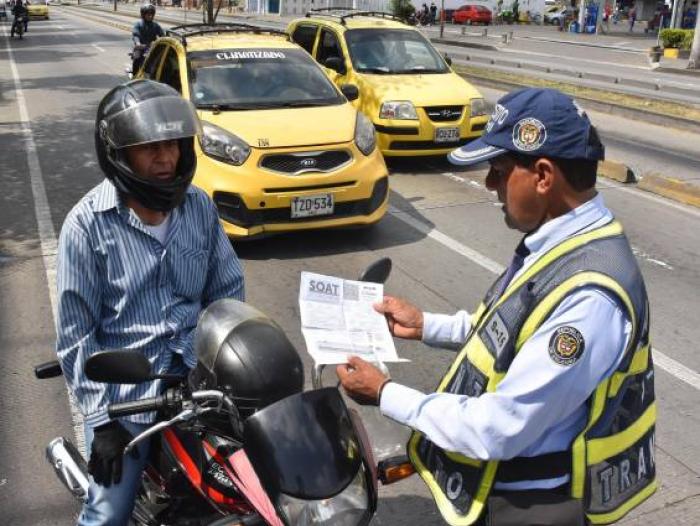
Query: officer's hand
column 105, row 464
column 362, row 381
column 405, row 320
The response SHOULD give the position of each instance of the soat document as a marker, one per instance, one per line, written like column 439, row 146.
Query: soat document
column 338, row 320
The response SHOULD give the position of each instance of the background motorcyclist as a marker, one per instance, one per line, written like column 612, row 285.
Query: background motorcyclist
column 139, row 257
column 144, row 32
column 19, row 10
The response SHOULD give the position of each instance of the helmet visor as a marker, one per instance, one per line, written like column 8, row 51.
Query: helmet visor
column 152, row 120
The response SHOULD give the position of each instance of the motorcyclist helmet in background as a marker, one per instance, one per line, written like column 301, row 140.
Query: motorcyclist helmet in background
column 148, row 9
column 143, row 112
column 245, row 354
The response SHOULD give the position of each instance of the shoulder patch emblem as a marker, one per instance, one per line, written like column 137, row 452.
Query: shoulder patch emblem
column 566, row 345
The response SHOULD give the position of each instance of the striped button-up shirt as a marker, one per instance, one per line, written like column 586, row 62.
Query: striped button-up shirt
column 120, row 288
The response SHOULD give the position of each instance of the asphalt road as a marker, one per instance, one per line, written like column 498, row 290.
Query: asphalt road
column 441, row 217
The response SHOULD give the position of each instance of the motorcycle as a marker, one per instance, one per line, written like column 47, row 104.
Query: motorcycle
column 137, row 56
column 18, row 26
column 303, row 459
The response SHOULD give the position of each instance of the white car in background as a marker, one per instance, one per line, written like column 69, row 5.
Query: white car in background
column 554, row 15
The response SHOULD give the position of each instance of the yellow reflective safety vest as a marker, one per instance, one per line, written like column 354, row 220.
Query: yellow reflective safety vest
column 611, row 462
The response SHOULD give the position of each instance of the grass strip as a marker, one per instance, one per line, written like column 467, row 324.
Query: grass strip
column 666, row 108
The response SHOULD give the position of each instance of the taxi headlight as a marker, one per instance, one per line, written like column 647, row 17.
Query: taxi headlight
column 222, row 145
column 477, row 107
column 348, row 508
column 404, row 110
column 365, row 137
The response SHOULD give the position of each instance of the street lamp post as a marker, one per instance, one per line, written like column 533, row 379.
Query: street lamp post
column 694, row 62
column 442, row 18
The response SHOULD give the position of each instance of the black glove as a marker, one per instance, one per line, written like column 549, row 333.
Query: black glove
column 105, row 464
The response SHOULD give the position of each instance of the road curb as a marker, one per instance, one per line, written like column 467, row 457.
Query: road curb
column 674, row 189
column 616, row 171
column 459, row 43
column 678, row 71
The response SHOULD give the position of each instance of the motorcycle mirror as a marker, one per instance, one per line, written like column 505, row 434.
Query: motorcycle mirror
column 118, row 367
column 377, row 272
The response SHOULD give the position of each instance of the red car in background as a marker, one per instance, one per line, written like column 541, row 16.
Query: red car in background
column 472, row 14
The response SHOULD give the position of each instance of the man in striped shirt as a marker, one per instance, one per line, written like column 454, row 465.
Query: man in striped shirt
column 139, row 257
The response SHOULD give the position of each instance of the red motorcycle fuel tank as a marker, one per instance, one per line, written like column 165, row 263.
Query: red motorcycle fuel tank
column 201, row 462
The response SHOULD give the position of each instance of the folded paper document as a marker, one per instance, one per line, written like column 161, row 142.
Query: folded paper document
column 338, row 320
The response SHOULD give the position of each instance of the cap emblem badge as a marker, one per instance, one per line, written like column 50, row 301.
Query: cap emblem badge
column 529, row 134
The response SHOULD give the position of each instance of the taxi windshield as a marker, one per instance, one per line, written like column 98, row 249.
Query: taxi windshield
column 392, row 51
column 249, row 79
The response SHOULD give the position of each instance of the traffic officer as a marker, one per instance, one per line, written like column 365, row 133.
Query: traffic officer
column 547, row 414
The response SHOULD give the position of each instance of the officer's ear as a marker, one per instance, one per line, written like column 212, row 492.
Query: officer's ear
column 546, row 173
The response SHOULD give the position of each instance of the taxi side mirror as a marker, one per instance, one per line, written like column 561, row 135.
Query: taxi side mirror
column 336, row 64
column 448, row 59
column 350, row 91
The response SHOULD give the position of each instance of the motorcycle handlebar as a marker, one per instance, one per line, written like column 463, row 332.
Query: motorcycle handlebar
column 135, row 407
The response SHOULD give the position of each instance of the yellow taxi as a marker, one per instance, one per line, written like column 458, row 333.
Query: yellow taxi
column 38, row 10
column 418, row 105
column 282, row 147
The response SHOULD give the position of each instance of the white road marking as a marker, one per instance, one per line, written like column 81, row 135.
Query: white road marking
column 665, row 362
column 98, row 48
column 651, row 197
column 646, row 257
column 47, row 234
column 454, row 245
column 549, row 63
column 677, row 369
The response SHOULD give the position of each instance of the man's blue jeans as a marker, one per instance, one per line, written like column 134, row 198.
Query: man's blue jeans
column 112, row 506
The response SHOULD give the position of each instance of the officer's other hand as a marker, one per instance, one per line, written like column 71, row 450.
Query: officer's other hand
column 405, row 319
column 108, row 445
column 361, row 380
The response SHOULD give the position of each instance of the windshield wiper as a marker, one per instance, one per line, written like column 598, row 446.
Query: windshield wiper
column 380, row 71
column 223, row 107
column 302, row 104
column 420, row 70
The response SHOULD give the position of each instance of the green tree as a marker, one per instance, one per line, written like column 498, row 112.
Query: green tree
column 402, row 8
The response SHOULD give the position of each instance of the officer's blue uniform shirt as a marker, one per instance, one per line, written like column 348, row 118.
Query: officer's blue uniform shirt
column 540, row 406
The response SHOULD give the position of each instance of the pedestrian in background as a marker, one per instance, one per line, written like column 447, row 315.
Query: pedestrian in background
column 607, row 13
column 632, row 16
column 433, row 13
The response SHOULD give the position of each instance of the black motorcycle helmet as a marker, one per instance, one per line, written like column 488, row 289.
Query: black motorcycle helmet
column 142, row 112
column 245, row 354
column 148, row 8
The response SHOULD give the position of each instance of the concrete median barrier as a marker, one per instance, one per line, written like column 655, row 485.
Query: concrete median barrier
column 671, row 188
column 616, row 171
